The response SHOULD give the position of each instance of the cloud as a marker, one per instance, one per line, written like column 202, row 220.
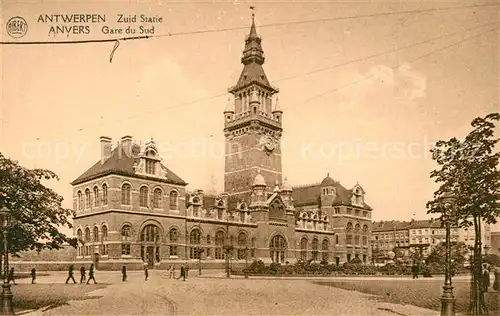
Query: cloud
column 404, row 82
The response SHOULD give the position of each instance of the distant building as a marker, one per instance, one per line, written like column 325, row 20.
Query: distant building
column 420, row 236
column 130, row 207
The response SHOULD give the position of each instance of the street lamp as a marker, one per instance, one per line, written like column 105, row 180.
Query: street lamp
column 448, row 299
column 7, row 308
column 200, row 251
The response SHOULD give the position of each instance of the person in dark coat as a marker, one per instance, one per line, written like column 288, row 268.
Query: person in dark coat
column 186, row 270
column 91, row 274
column 146, row 273
column 33, row 275
column 70, row 274
column 183, row 273
column 414, row 271
column 486, row 277
column 124, row 273
column 10, row 276
column 83, row 274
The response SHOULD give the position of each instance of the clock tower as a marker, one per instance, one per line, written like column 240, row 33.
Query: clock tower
column 252, row 126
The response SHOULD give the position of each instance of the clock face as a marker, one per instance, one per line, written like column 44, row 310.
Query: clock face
column 269, row 145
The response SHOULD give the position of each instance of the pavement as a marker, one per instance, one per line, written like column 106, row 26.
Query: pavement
column 213, row 294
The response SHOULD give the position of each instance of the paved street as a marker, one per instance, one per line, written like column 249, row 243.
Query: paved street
column 218, row 296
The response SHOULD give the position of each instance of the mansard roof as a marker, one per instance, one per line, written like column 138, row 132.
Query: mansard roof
column 120, row 163
column 385, row 226
column 311, row 195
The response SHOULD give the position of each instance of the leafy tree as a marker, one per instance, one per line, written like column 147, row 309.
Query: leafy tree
column 458, row 254
column 468, row 169
column 36, row 210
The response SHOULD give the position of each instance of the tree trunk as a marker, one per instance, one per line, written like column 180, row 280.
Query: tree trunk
column 477, row 304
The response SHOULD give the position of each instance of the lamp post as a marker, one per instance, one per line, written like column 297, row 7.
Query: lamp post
column 200, row 251
column 448, row 299
column 7, row 308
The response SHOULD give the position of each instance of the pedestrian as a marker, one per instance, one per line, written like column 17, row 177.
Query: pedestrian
column 173, row 272
column 70, row 274
column 91, row 274
column 414, row 270
column 183, row 273
column 170, row 272
column 496, row 283
column 146, row 274
column 124, row 273
column 10, row 276
column 83, row 274
column 486, row 277
column 33, row 275
column 186, row 270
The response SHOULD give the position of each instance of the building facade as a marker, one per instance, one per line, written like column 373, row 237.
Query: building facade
column 420, row 236
column 130, row 208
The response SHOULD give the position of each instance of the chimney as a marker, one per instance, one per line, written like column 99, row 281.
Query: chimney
column 105, row 148
column 126, row 145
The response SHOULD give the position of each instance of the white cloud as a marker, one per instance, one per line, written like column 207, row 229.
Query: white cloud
column 404, row 82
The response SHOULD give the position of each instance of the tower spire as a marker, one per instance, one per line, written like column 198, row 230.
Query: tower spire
column 253, row 31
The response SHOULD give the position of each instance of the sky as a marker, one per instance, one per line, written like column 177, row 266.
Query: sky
column 371, row 121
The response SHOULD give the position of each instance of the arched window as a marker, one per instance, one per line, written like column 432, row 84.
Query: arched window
column 96, row 234
column 79, row 234
column 104, row 232
column 315, row 249
column 365, row 235
column 157, row 198
column 88, row 199
column 143, row 196
column 126, row 194
column 195, row 240
column 174, row 200
column 324, row 247
column 173, row 236
column 277, row 249
column 96, row 196
column 348, row 234
column 126, row 235
column 242, row 246
column 104, row 194
column 357, row 230
column 87, row 234
column 219, row 243
column 80, row 200
column 126, row 232
column 150, row 233
column 303, row 249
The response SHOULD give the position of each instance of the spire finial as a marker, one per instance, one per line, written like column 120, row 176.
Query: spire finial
column 328, row 174
column 253, row 31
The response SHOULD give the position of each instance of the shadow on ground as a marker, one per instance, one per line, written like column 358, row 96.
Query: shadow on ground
column 425, row 294
column 36, row 296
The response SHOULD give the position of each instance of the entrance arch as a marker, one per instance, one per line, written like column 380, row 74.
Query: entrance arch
column 151, row 240
column 277, row 248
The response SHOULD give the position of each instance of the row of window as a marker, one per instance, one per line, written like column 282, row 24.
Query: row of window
column 92, row 200
column 95, row 235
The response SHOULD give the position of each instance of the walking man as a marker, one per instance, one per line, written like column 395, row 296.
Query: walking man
column 124, row 273
column 33, row 275
column 83, row 274
column 414, row 270
column 70, row 274
column 10, row 276
column 146, row 274
column 91, row 274
column 183, row 273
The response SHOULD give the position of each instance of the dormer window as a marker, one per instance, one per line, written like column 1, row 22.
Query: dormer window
column 150, row 166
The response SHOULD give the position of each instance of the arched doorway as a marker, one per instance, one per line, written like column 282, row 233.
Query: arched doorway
column 151, row 240
column 277, row 249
